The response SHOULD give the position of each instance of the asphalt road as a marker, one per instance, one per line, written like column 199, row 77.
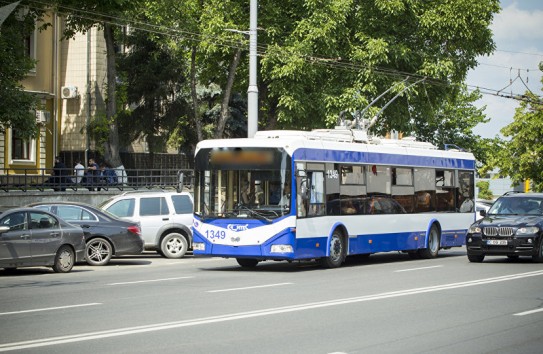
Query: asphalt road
column 387, row 303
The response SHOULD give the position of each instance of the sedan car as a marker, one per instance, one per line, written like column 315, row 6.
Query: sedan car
column 105, row 234
column 31, row 237
column 512, row 227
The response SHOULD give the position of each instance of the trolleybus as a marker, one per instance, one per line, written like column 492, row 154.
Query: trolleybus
column 328, row 194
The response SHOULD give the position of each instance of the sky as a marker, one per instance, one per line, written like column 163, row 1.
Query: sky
column 518, row 34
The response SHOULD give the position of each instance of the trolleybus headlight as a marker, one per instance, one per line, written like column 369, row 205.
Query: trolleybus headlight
column 474, row 229
column 527, row 230
column 281, row 249
column 198, row 246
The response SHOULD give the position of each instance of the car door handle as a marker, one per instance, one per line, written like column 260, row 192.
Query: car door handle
column 54, row 233
column 165, row 219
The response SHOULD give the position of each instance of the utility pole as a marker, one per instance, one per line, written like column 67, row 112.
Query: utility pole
column 252, row 92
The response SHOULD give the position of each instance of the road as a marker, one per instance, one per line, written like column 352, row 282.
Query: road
column 386, row 303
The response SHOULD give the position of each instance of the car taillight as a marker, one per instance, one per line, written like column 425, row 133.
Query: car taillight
column 134, row 229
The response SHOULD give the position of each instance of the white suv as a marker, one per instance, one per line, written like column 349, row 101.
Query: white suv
column 165, row 218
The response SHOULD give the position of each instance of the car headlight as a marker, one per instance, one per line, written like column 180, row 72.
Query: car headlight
column 530, row 230
column 474, row 229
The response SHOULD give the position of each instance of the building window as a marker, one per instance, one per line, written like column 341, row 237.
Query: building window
column 22, row 150
column 30, row 47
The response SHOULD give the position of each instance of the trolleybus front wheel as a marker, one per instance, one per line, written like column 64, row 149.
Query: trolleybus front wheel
column 247, row 262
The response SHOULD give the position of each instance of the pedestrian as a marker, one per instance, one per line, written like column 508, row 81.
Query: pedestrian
column 79, row 172
column 107, row 175
column 59, row 174
column 93, row 174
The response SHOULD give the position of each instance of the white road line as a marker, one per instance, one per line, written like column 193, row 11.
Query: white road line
column 148, row 281
column 49, row 309
column 36, row 343
column 412, row 269
column 528, row 312
column 248, row 288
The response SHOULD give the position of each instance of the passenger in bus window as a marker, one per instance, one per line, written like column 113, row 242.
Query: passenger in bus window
column 275, row 193
column 348, row 207
column 285, row 199
column 246, row 192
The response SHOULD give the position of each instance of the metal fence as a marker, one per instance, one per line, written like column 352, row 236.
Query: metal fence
column 65, row 179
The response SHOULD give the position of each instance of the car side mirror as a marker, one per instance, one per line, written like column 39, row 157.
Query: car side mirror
column 4, row 229
column 482, row 212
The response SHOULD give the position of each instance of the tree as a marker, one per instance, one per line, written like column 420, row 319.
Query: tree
column 152, row 77
column 325, row 57
column 521, row 157
column 484, row 190
column 16, row 109
column 452, row 121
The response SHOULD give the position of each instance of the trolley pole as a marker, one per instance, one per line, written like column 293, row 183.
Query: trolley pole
column 252, row 92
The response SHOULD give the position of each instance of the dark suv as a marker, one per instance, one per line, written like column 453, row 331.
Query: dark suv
column 512, row 227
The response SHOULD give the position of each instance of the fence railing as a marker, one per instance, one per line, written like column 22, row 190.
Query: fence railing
column 65, row 179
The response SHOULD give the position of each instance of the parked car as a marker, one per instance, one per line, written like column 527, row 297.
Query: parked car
column 105, row 234
column 165, row 218
column 30, row 237
column 512, row 227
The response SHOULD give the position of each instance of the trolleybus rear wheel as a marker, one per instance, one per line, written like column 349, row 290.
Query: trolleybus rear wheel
column 337, row 251
column 433, row 244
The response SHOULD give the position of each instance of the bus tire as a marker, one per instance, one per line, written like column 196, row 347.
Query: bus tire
column 247, row 262
column 337, row 251
column 433, row 244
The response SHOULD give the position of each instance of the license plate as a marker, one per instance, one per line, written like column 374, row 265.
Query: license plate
column 497, row 242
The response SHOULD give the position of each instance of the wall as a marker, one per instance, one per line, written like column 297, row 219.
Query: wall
column 20, row 198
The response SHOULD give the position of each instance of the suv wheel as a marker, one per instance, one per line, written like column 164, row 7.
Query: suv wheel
column 174, row 245
column 538, row 257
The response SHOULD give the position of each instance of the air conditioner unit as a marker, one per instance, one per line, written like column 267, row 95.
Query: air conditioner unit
column 69, row 92
column 43, row 117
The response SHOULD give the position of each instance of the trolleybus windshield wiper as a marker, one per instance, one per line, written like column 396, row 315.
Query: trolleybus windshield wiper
column 253, row 212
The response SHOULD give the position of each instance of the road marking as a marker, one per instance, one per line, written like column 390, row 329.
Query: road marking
column 49, row 309
column 409, row 270
column 36, row 343
column 148, row 281
column 528, row 312
column 248, row 287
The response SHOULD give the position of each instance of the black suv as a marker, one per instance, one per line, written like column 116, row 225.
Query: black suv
column 512, row 227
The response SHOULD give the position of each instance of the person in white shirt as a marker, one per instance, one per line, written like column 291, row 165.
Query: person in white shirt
column 79, row 171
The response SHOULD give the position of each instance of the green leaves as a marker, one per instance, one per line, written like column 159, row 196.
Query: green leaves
column 521, row 157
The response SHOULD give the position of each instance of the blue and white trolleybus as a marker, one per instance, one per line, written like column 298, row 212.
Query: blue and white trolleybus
column 328, row 194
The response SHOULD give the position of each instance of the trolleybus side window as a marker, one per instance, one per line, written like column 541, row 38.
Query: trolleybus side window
column 445, row 191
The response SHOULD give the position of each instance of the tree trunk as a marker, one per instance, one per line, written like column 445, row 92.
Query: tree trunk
column 194, row 95
column 225, row 105
column 111, row 146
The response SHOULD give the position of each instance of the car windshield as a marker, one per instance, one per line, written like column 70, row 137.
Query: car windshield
column 517, row 205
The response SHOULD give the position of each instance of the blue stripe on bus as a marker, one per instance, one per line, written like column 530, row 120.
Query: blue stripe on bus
column 315, row 247
column 381, row 158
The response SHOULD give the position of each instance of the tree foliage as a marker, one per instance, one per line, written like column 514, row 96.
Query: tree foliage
column 152, row 78
column 521, row 157
column 17, row 106
column 317, row 58
column 326, row 56
column 484, row 190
